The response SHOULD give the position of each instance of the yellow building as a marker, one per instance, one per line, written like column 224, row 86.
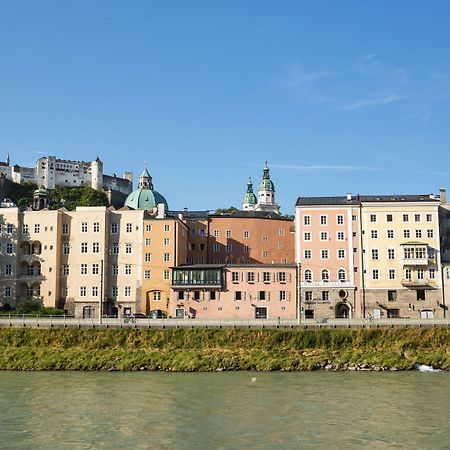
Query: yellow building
column 401, row 256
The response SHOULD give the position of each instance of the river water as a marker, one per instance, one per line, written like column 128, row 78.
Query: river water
column 83, row 410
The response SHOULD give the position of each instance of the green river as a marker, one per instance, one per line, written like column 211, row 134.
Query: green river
column 139, row 410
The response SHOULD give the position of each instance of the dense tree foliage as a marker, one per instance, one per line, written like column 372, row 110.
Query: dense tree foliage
column 229, row 210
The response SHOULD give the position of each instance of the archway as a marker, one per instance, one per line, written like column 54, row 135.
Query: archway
column 342, row 311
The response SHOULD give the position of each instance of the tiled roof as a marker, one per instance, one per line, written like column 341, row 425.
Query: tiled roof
column 358, row 199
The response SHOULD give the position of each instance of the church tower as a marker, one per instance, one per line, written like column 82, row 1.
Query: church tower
column 249, row 201
column 266, row 194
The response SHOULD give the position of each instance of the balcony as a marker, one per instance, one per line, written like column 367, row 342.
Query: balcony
column 325, row 284
column 416, row 261
column 415, row 283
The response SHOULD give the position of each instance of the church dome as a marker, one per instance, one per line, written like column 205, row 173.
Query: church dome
column 266, row 183
column 249, row 197
column 145, row 197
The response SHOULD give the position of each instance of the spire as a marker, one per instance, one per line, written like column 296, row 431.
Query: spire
column 7, row 160
column 249, row 200
column 266, row 183
column 145, row 180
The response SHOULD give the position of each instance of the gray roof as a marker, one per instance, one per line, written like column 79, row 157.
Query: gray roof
column 358, row 199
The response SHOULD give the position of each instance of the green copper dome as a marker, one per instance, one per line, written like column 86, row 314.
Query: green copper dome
column 266, row 183
column 41, row 191
column 249, row 197
column 145, row 197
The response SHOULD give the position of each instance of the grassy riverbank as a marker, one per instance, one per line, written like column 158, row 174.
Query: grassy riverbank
column 223, row 349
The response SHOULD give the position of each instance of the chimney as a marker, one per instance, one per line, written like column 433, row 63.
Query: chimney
column 161, row 211
column 442, row 195
column 349, row 197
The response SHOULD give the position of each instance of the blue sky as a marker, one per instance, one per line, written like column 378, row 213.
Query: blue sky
column 339, row 97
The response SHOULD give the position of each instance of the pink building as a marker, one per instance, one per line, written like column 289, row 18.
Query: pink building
column 233, row 292
column 327, row 248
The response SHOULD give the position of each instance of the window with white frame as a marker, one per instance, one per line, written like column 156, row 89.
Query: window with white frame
column 83, row 291
column 166, row 241
column 325, row 296
column 308, row 275
column 147, row 274
column 342, row 276
column 228, row 233
column 307, row 254
column 94, row 291
column 374, row 234
column 281, row 232
column 95, row 247
column 375, row 253
column 166, row 274
column 389, row 218
column 408, row 274
column 323, row 220
column 9, row 248
column 406, row 234
column 216, row 233
column 128, row 248
column 84, row 227
column 96, row 227
column 37, row 228
column 418, row 234
column 416, row 217
column 83, row 269
column 324, row 236
column 166, row 228
column 95, row 269
column 128, row 269
column 127, row 291
column 65, row 270
column 246, row 233
column 84, row 247
column 251, row 277
column 115, row 269
column 325, row 275
column 391, row 274
column 432, row 274
column 235, row 277
column 246, row 248
column 390, row 234
column 340, row 236
column 229, row 248
column 282, row 278
column 216, row 247
column 340, row 219
column 341, row 253
column 375, row 274
column 115, row 248
column 266, row 277
column 420, row 274
column 307, row 236
column 166, row 257
column 114, row 291
column 307, row 220
column 129, row 228
column 324, row 254
column 405, row 218
column 429, row 217
column 114, row 228
column 64, row 230
column 282, row 296
column 148, row 227
column 280, row 245
column 391, row 253
column 308, row 296
column 148, row 241
column 430, row 233
column 66, row 248
column 157, row 295
column 373, row 217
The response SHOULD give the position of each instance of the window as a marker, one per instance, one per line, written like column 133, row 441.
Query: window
column 281, row 232
column 430, row 233
column 229, row 234
column 308, row 275
column 375, row 274
column 342, row 276
column 325, row 275
column 166, row 241
column 128, row 228
column 166, row 228
column 127, row 291
column 197, row 295
column 114, row 228
column 9, row 228
column 307, row 236
column 265, row 254
column 340, row 236
column 429, row 218
column 8, row 269
column 418, row 234
column 280, row 245
column 115, row 269
column 340, row 219
column 9, row 248
column 166, row 257
column 246, row 248
column 201, row 232
column 235, row 277
column 25, row 229
column 408, row 274
column 265, row 239
column 307, row 220
column 373, row 217
column 37, row 228
column 128, row 248
column 406, row 234
column 128, row 269
column 94, row 291
column 147, row 274
column 416, row 217
column 216, row 247
column 7, row 291
column 282, row 295
column 341, row 254
column 157, row 295
column 374, row 234
column 216, row 233
column 115, row 248
column 246, row 233
column 262, row 295
column 96, row 227
column 307, row 254
column 83, row 291
column 420, row 274
column 66, row 249
column 166, row 274
column 282, row 277
column 323, row 220
column 83, row 269
column 323, row 236
column 266, row 277
column 392, row 296
column 389, row 218
column 229, row 248
column 180, row 295
column 212, row 295
column 148, row 241
column 420, row 294
column 391, row 274
column 238, row 295
column 308, row 296
column 84, row 247
column 390, row 234
column 391, row 253
column 95, row 247
column 84, row 227
column 114, row 291
column 324, row 254
column 405, row 217
column 148, row 227
column 251, row 277
column 432, row 274
column 325, row 296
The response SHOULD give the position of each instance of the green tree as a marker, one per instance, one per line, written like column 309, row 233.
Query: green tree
column 229, row 210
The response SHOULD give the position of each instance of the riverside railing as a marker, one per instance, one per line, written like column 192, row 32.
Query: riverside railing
column 33, row 321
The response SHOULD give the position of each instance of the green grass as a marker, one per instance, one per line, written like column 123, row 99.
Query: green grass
column 220, row 349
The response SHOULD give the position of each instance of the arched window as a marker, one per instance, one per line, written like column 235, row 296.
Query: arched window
column 325, row 275
column 342, row 276
column 308, row 275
